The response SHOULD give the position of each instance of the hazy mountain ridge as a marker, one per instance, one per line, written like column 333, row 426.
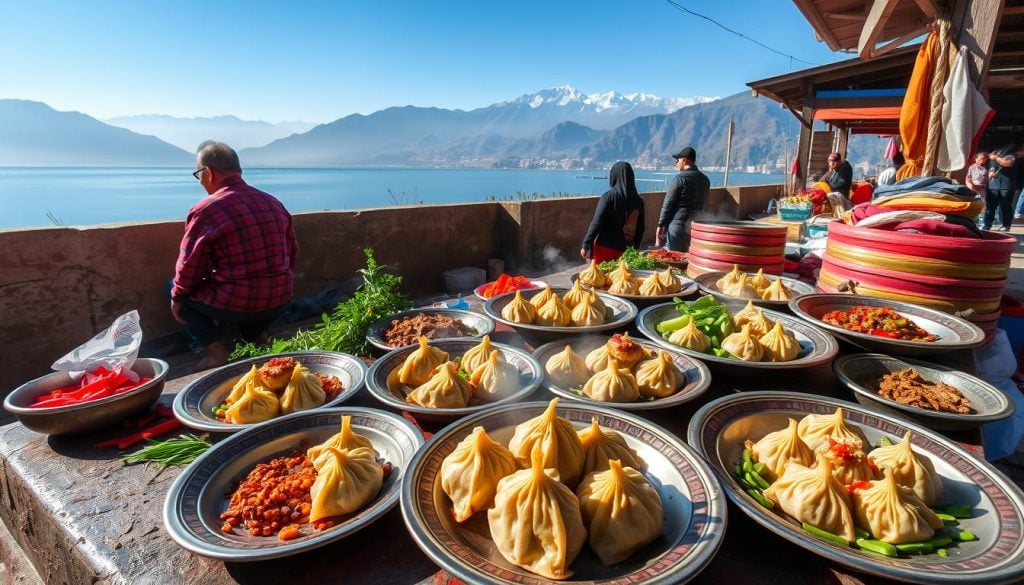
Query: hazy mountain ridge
column 187, row 133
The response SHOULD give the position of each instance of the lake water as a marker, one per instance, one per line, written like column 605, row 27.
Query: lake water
column 87, row 196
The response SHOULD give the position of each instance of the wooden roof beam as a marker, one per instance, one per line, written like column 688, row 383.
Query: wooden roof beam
column 889, row 46
column 928, row 7
column 810, row 11
column 874, row 27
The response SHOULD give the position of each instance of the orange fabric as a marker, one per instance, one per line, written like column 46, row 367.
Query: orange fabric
column 916, row 107
column 964, row 208
column 872, row 113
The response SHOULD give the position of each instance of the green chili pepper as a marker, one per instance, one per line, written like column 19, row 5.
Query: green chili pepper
column 955, row 510
column 946, row 518
column 757, row 480
column 939, row 540
column 915, row 548
column 877, row 546
column 826, row 535
column 759, row 497
column 761, row 469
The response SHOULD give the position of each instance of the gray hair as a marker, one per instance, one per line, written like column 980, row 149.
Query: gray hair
column 217, row 155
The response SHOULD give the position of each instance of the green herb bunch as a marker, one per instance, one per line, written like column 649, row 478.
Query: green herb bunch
column 635, row 260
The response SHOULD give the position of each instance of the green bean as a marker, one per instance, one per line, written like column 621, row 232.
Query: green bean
column 862, row 534
column 955, row 510
column 826, row 535
column 942, row 552
column 916, row 548
column 946, row 518
column 939, row 540
column 759, row 497
column 757, row 480
column 964, row 535
column 747, row 484
column 738, row 470
column 761, row 469
column 748, row 458
column 877, row 546
column 884, row 442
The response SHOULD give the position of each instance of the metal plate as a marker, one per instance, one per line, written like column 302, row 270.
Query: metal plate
column 480, row 289
column 859, row 370
column 816, row 346
column 707, row 283
column 717, row 432
column 393, row 394
column 193, row 405
column 197, row 497
column 479, row 324
column 953, row 332
column 698, row 378
column 694, row 508
column 688, row 287
column 619, row 316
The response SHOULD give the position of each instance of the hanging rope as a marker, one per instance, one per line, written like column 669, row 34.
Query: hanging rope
column 940, row 73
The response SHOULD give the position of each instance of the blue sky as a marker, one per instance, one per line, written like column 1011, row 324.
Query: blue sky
column 318, row 61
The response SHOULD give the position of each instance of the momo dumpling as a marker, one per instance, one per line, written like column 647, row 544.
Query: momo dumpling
column 744, row 346
column 815, row 496
column 477, row 355
column 759, row 324
column 542, row 297
column 731, row 278
column 690, row 337
column 626, row 351
column 653, row 287
column 623, row 287
column 419, row 365
column 535, row 522
column 470, row 474
column 759, row 281
column 620, row 273
column 576, row 294
column 893, row 513
column 250, row 377
column 659, row 377
column 445, row 389
column 557, row 441
column 586, row 314
column 780, row 344
column 518, row 310
column 669, row 281
column 276, row 373
column 621, row 511
column 597, row 359
column 600, row 446
column 777, row 291
column 593, row 276
column 554, row 313
column 816, row 429
column 612, row 384
column 742, row 289
column 567, row 369
column 255, row 405
column 346, row 481
column 850, row 462
column 496, row 379
column 344, row 439
column 743, row 316
column 597, row 302
column 780, row 448
column 303, row 392
column 910, row 469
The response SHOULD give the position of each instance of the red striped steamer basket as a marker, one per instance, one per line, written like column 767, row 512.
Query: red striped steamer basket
column 720, row 245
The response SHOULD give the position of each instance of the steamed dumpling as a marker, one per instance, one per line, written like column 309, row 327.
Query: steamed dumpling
column 596, row 301
column 600, row 446
column 518, row 310
column 303, row 392
column 344, row 439
column 780, row 344
column 477, row 355
column 659, row 377
column 759, row 281
column 557, row 441
column 250, row 377
column 669, row 281
column 779, row 449
column 593, row 276
column 535, row 522
column 690, row 337
column 255, row 405
column 816, row 429
column 814, row 496
column 620, row 273
column 470, row 474
column 653, row 287
column 849, row 459
column 597, row 360
column 910, row 469
column 586, row 314
column 419, row 365
column 346, row 481
column 742, row 289
column 496, row 379
column 777, row 291
column 759, row 323
column 445, row 389
column 893, row 513
column 623, row 287
column 626, row 351
column 612, row 384
column 621, row 511
column 731, row 278
column 554, row 313
column 567, row 369
column 542, row 297
column 744, row 346
column 576, row 294
column 743, row 316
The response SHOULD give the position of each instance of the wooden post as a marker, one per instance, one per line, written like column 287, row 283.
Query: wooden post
column 974, row 25
column 728, row 153
column 803, row 149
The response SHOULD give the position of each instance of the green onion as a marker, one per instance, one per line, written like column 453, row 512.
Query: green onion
column 180, row 451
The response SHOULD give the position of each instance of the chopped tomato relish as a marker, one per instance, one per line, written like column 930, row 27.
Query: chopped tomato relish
column 878, row 321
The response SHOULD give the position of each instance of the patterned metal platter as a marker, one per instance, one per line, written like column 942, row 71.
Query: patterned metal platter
column 718, row 430
column 619, row 316
column 687, row 287
column 708, row 284
column 479, row 325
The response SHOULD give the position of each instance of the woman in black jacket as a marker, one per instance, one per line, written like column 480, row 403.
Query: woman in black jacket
column 618, row 220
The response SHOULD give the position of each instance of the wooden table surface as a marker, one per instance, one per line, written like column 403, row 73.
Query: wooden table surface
column 82, row 517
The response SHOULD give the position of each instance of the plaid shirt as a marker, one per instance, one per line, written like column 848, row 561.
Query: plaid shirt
column 238, row 251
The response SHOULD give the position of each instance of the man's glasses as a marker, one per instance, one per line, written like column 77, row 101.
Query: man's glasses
column 198, row 172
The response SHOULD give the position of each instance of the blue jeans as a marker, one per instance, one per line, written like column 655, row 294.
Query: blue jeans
column 1019, row 210
column 1000, row 199
column 206, row 324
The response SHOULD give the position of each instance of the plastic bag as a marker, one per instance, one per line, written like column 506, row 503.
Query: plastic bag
column 117, row 345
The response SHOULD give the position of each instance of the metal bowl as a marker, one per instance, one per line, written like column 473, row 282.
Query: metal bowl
column 953, row 332
column 193, row 406
column 87, row 416
column 478, row 324
column 694, row 509
column 619, row 315
column 688, row 287
column 717, row 432
column 478, row 291
column 698, row 378
column 384, row 387
column 196, row 499
column 816, row 346
column 857, row 371
column 707, row 283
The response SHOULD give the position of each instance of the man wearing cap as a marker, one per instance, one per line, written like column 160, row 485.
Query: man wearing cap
column 839, row 175
column 683, row 200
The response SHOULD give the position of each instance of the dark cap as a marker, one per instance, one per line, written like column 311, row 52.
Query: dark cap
column 687, row 153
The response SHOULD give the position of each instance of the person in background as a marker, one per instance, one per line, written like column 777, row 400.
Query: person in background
column 1000, row 189
column 977, row 175
column 888, row 176
column 684, row 199
column 839, row 175
column 618, row 220
column 236, row 258
column 1018, row 211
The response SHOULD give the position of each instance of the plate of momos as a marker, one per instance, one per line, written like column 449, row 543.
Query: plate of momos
column 553, row 312
column 348, row 436
column 641, row 287
column 765, row 290
column 631, row 502
column 252, row 391
column 440, row 380
column 857, row 473
column 642, row 377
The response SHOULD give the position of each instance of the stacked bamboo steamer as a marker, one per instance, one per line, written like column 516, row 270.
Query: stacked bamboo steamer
column 752, row 246
column 944, row 273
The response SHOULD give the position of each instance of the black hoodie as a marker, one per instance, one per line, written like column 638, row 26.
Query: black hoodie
column 619, row 218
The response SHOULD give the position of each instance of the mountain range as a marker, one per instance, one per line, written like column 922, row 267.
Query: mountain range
column 187, row 133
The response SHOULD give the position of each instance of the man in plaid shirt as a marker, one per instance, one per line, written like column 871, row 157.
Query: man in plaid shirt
column 236, row 259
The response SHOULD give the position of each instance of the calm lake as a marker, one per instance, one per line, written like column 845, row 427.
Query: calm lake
column 30, row 197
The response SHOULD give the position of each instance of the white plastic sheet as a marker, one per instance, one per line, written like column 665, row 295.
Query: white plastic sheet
column 117, row 345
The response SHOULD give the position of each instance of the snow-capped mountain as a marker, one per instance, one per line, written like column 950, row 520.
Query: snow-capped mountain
column 567, row 95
